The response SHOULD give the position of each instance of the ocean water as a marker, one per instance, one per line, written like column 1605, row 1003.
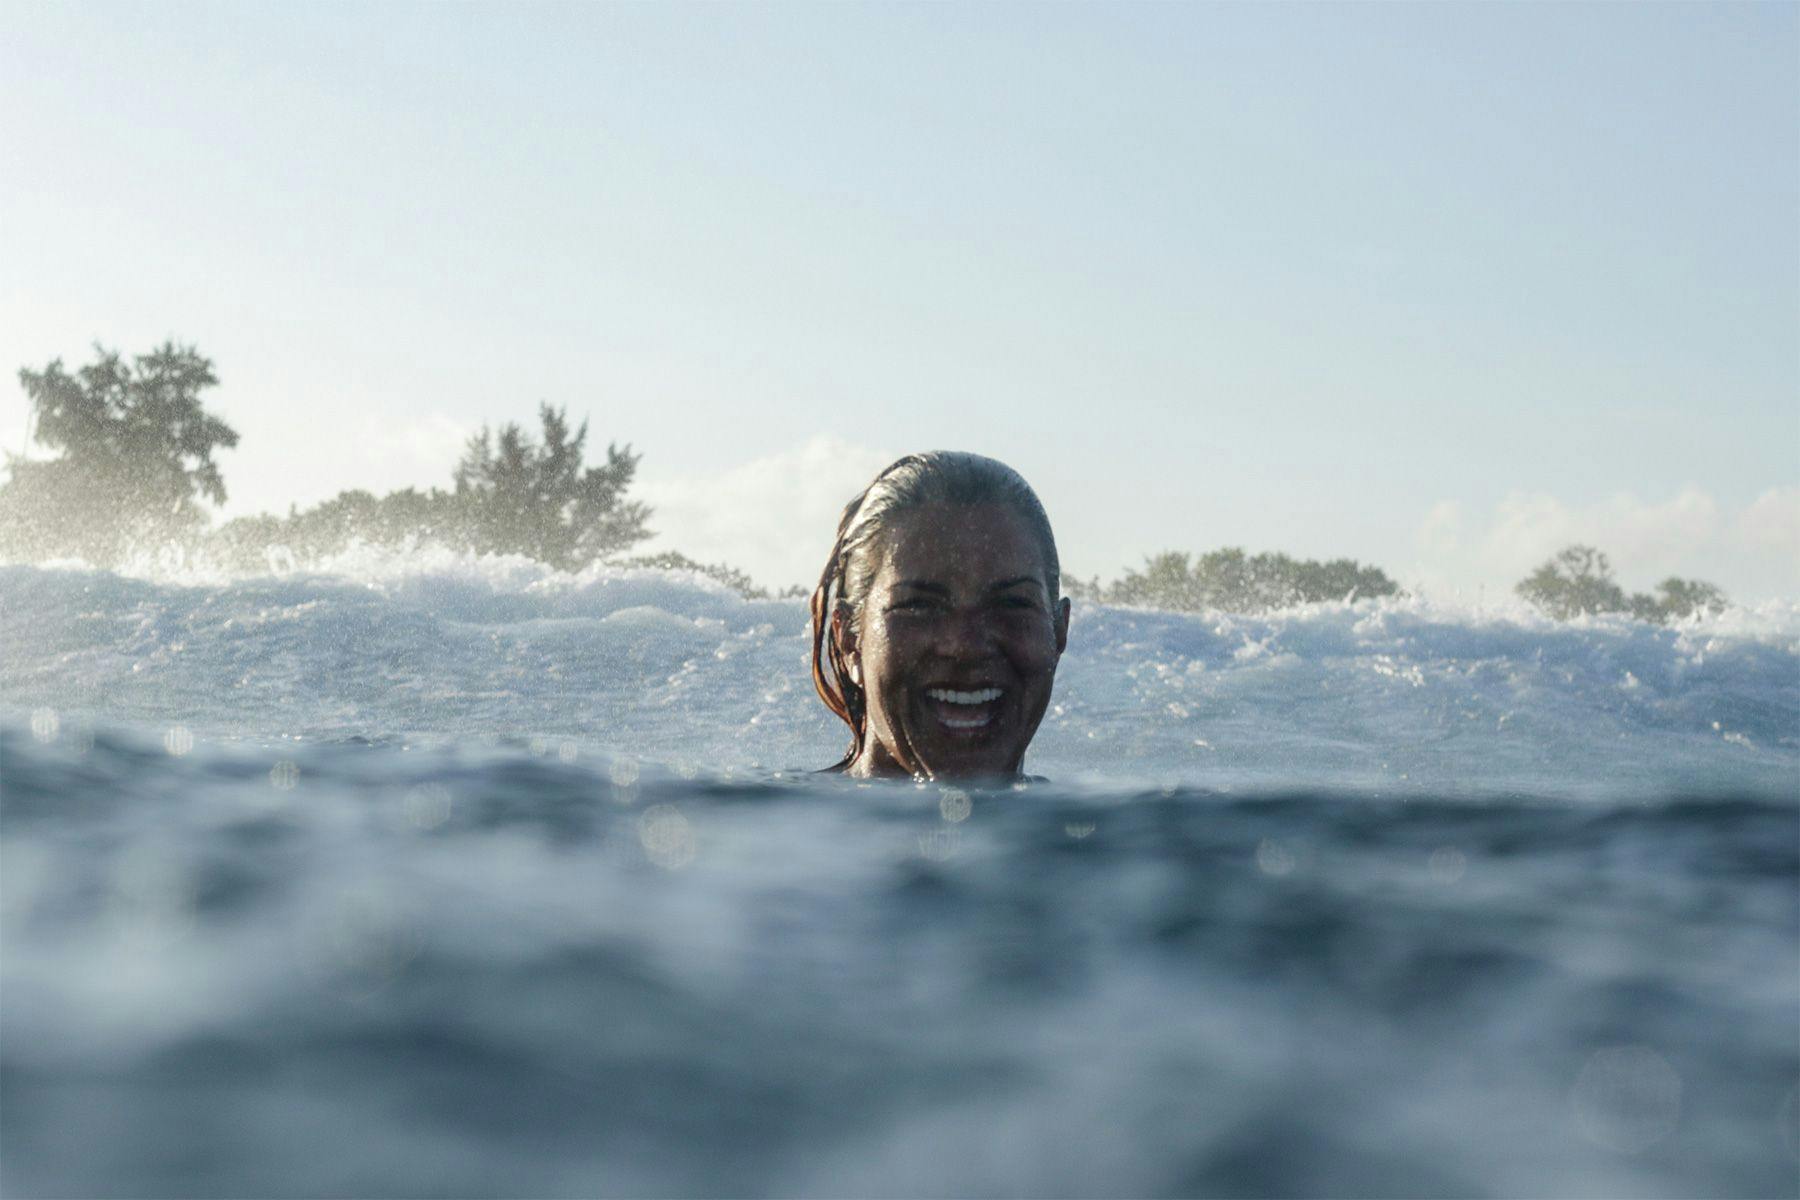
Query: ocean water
column 438, row 876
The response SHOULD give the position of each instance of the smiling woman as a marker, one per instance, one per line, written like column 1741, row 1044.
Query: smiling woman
column 938, row 620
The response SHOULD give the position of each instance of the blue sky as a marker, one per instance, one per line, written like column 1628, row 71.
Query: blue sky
column 1436, row 286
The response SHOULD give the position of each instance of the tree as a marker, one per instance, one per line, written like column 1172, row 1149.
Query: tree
column 136, row 457
column 1579, row 582
column 516, row 496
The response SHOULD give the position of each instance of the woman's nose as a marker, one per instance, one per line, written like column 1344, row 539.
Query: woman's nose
column 965, row 633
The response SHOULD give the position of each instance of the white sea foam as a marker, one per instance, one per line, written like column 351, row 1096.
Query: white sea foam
column 1408, row 694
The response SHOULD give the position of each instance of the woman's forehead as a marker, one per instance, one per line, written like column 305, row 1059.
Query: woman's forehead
column 959, row 543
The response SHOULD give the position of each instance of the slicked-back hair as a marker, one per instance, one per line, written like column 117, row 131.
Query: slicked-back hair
column 934, row 477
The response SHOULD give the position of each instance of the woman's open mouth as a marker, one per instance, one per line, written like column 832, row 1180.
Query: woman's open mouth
column 964, row 713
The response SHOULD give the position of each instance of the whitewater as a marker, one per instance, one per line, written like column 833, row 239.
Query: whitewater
column 422, row 874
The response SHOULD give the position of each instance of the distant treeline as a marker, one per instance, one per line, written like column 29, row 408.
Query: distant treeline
column 135, row 463
column 510, row 494
column 1233, row 581
column 1579, row 582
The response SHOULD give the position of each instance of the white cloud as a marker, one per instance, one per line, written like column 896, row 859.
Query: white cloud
column 421, row 452
column 773, row 517
column 1752, row 553
column 281, row 464
column 1441, row 533
column 1771, row 525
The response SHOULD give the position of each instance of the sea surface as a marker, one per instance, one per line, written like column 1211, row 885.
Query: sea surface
column 428, row 875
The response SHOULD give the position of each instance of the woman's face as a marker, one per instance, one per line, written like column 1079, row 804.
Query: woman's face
column 959, row 643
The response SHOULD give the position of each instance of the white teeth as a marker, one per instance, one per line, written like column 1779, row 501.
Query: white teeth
column 948, row 696
column 953, row 723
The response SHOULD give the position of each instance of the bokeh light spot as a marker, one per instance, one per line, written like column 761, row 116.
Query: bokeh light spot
column 940, row 843
column 1447, row 864
column 45, row 724
column 1789, row 1117
column 178, row 740
column 360, row 943
column 667, row 837
column 1273, row 858
column 284, row 776
column 151, row 900
column 1626, row 1098
column 954, row 805
column 427, row 806
column 623, row 774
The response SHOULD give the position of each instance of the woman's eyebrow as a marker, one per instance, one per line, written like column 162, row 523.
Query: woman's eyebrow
column 938, row 589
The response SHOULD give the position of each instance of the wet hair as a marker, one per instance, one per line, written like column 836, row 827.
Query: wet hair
column 934, row 477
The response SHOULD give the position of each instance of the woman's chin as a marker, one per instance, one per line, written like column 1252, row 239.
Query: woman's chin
column 971, row 762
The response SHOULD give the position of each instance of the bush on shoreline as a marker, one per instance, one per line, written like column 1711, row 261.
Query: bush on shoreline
column 1232, row 581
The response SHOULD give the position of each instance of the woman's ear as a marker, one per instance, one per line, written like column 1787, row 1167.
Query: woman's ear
column 844, row 638
column 1062, row 624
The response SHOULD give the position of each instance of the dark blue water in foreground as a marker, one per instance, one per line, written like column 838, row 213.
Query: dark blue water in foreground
column 406, row 880
column 405, row 969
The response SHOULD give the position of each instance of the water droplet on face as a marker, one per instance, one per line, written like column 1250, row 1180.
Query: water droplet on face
column 954, row 805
